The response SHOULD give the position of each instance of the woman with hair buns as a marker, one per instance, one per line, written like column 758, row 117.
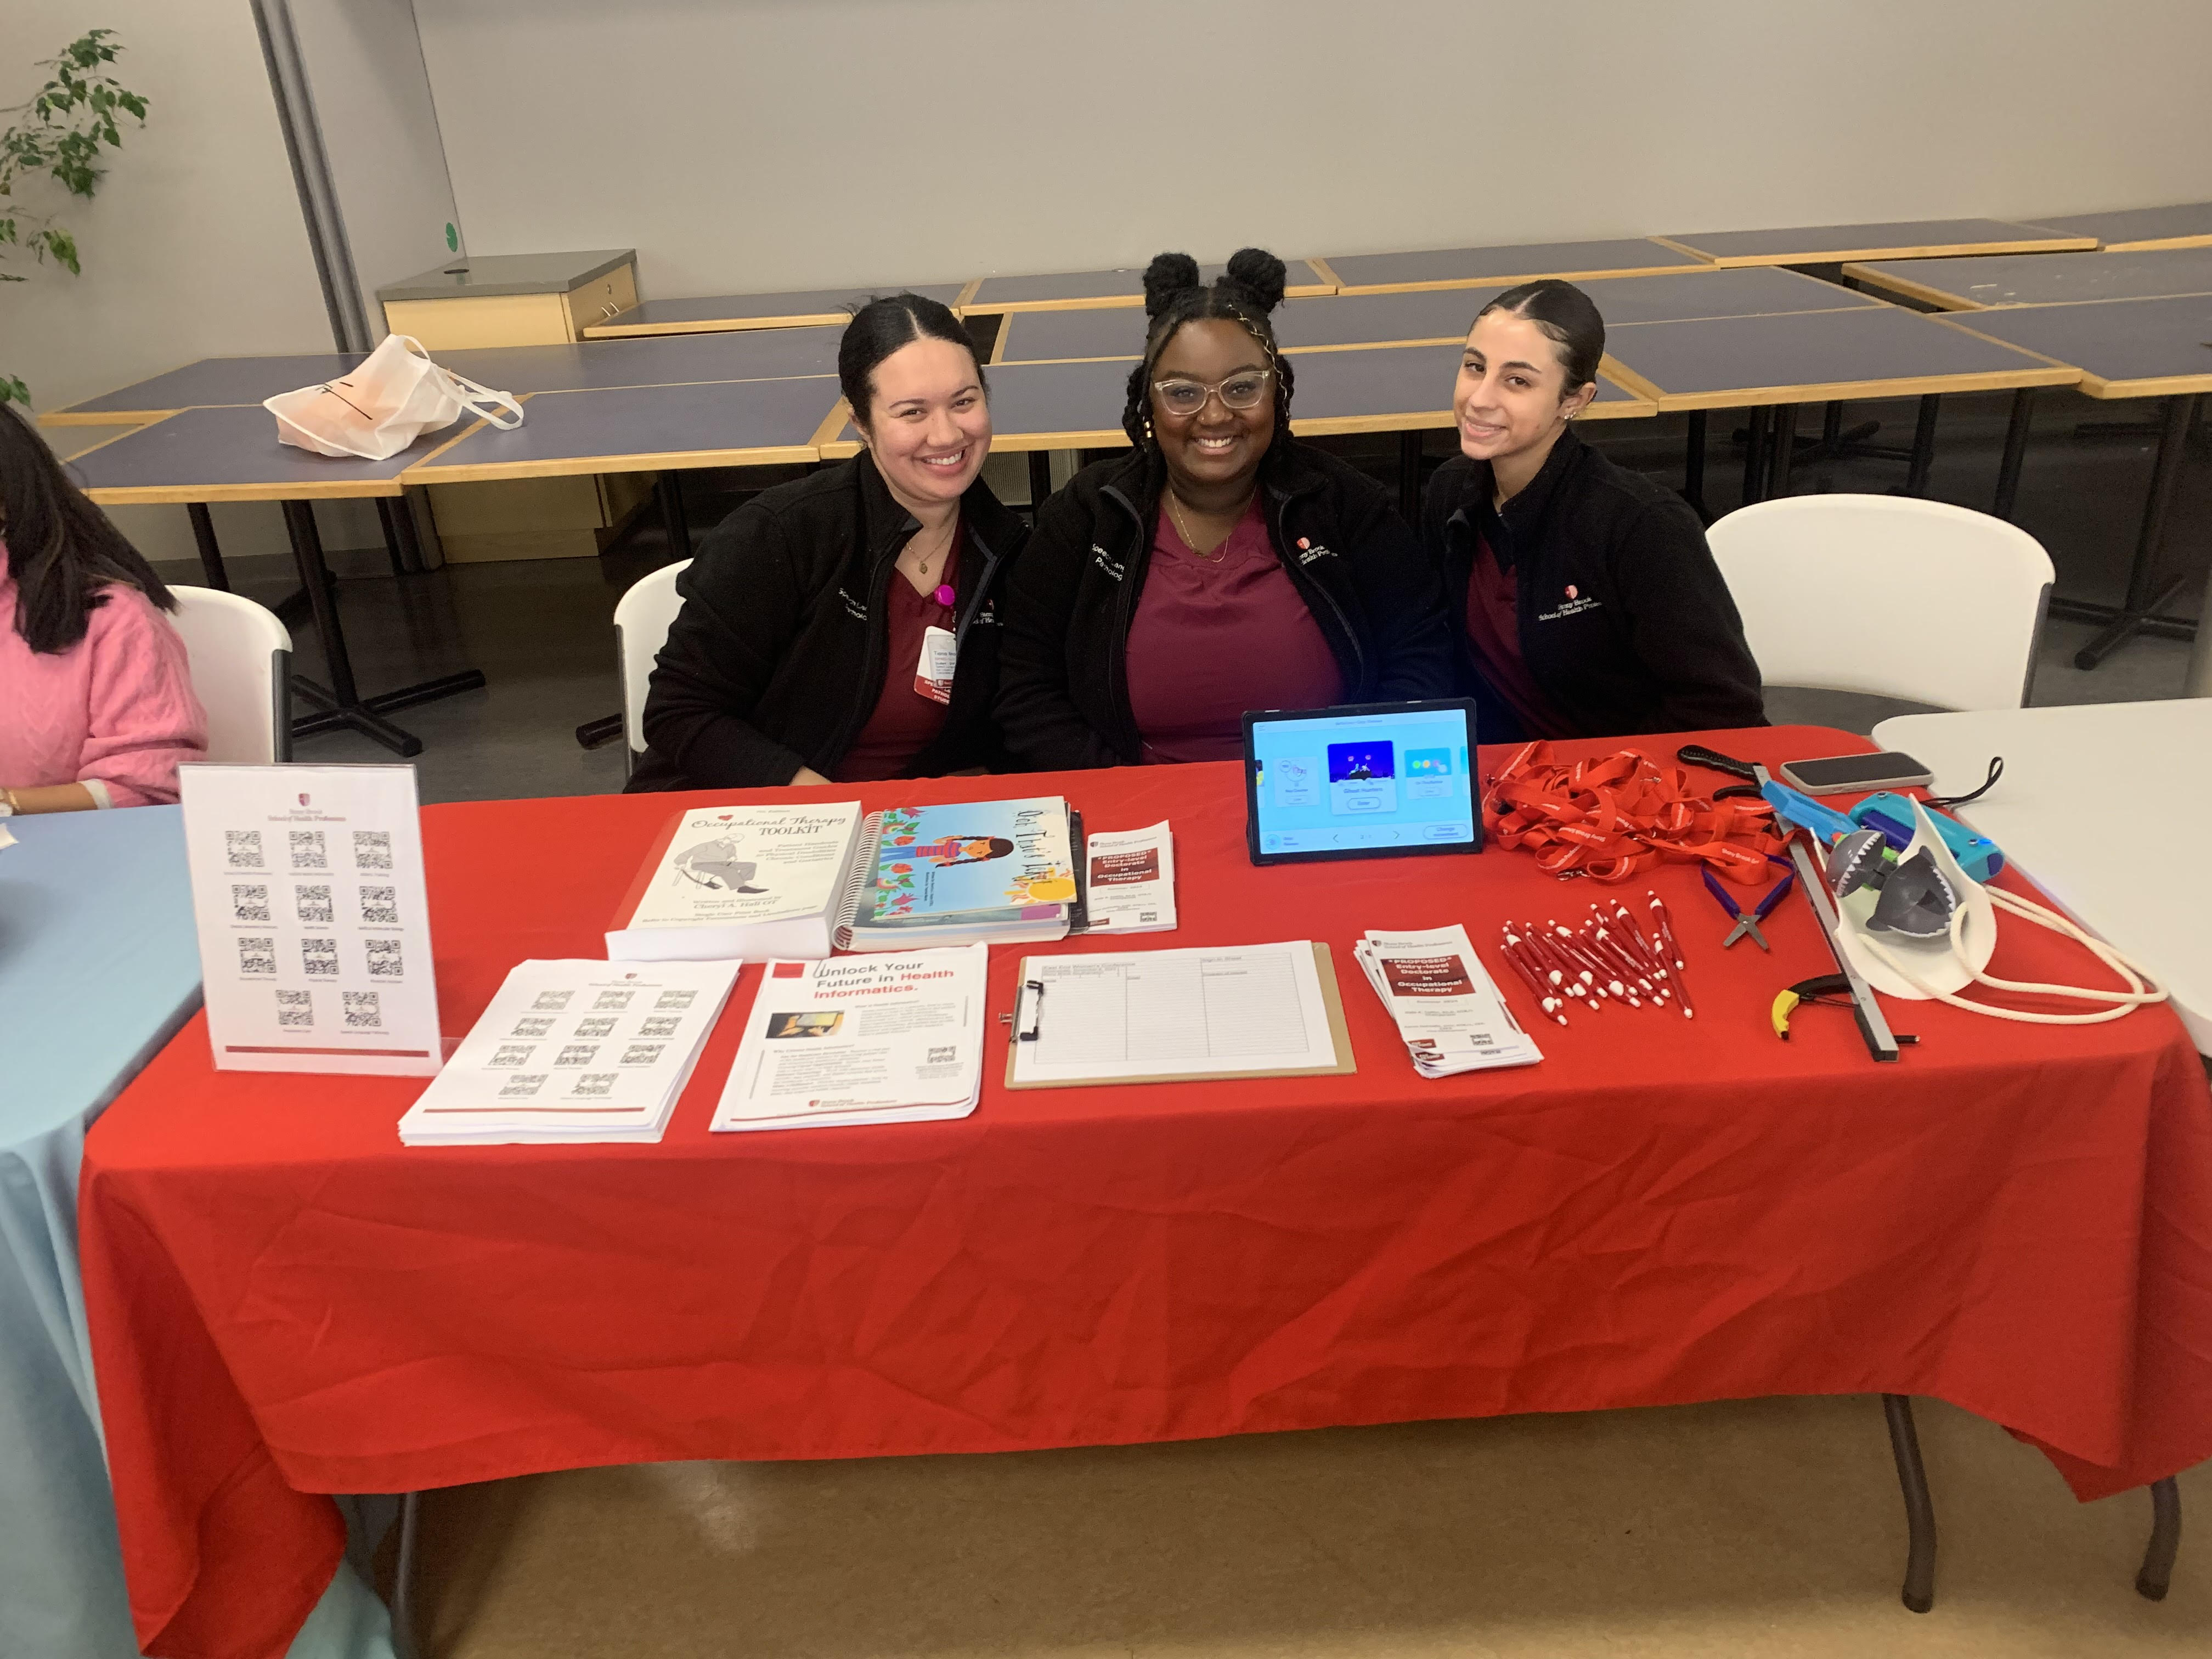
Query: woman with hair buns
column 1223, row 566
column 1584, row 599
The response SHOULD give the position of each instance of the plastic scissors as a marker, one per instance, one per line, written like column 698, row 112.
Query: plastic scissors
column 1746, row 921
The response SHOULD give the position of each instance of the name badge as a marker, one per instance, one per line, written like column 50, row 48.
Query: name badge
column 933, row 674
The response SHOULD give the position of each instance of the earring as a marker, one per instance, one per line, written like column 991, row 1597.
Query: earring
column 1148, row 429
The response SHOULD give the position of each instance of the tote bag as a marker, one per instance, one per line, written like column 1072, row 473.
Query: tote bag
column 394, row 396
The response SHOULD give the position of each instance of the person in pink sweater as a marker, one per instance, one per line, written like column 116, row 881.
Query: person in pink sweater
column 96, row 703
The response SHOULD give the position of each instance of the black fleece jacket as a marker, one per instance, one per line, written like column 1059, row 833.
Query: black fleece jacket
column 777, row 659
column 1064, row 692
column 1626, row 623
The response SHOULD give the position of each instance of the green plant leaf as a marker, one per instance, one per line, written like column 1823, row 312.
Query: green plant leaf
column 13, row 390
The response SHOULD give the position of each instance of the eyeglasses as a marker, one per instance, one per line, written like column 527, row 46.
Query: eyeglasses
column 1242, row 390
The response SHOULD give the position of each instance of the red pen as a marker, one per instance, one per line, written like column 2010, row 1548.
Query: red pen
column 1624, row 927
column 1620, row 955
column 1674, row 949
column 1545, row 1000
column 1570, row 978
column 1607, row 976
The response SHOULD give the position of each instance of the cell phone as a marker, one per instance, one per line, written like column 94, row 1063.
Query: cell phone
column 1839, row 775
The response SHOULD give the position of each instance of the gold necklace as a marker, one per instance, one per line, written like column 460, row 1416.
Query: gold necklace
column 924, row 564
column 1221, row 548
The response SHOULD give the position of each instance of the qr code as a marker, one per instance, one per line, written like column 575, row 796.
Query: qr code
column 616, row 999
column 249, row 902
column 643, row 1054
column 593, row 1085
column 308, row 850
column 319, row 958
column 531, row 1026
column 256, row 958
column 596, row 1028
column 521, row 1084
column 372, row 849
column 943, row 1057
column 676, row 999
column 511, row 1053
column 242, row 848
column 379, row 906
column 361, row 1011
column 552, row 1001
column 384, row 959
column 659, row 1025
column 295, row 1010
column 314, row 903
column 576, row 1053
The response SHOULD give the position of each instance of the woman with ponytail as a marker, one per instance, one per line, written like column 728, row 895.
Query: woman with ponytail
column 1221, row 566
column 96, row 703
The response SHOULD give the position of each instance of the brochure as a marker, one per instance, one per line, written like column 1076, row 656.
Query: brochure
column 1130, row 886
column 1445, row 1003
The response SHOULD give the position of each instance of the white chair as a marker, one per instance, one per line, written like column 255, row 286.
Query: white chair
column 241, row 662
column 1887, row 594
column 642, row 619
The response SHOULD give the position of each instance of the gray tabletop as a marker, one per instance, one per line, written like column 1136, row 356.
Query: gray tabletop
column 1043, row 337
column 769, row 354
column 644, row 429
column 231, row 454
column 1503, row 266
column 476, row 275
column 1096, row 288
column 1875, row 351
column 2026, row 279
column 2125, row 348
column 831, row 307
column 210, row 380
column 1801, row 245
column 2136, row 227
column 1401, row 389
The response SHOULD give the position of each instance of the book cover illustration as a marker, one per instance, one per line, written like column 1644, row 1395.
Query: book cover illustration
column 747, row 864
column 984, row 856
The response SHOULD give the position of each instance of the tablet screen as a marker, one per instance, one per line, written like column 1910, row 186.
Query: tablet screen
column 1361, row 782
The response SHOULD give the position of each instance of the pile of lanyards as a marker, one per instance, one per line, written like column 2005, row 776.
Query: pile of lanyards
column 1613, row 818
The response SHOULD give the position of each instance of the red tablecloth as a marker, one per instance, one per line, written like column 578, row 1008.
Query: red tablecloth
column 284, row 1302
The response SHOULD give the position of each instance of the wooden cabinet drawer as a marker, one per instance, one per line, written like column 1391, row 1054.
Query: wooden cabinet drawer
column 601, row 299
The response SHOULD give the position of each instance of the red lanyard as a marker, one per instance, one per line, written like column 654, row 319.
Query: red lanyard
column 1613, row 817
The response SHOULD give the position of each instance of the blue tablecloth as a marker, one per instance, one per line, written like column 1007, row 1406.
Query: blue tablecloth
column 99, row 966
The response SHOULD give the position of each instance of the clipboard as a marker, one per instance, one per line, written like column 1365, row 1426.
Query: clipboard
column 1339, row 1037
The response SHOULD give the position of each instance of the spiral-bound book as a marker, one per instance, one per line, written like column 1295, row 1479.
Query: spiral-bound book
column 740, row 881
column 992, row 872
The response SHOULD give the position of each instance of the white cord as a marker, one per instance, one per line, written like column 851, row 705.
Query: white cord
column 2141, row 988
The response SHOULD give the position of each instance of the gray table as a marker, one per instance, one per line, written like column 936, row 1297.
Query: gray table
column 1503, row 266
column 210, row 380
column 1776, row 363
column 1914, row 238
column 1123, row 286
column 2029, row 279
column 667, row 429
column 231, row 454
column 2159, row 347
column 716, row 313
column 1406, row 316
column 2189, row 225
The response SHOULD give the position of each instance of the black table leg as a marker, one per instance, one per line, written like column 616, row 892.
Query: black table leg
column 1039, row 479
column 2157, row 1574
column 210, row 549
column 340, row 703
column 406, row 1643
column 2148, row 597
column 2015, row 451
column 1754, row 457
column 606, row 729
column 670, row 491
column 1923, row 446
column 1831, row 424
column 400, row 540
column 1693, row 465
column 1409, row 475
column 1919, row 1593
column 1785, row 449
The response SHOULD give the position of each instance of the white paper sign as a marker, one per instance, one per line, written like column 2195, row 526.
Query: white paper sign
column 314, row 922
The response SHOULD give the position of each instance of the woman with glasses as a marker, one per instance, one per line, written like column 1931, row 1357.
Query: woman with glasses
column 1221, row 566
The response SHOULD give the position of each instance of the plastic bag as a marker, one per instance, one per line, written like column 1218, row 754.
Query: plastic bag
column 395, row 396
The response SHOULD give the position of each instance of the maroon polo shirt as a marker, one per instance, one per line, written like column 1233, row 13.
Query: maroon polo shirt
column 905, row 723
column 1214, row 637
column 1493, row 636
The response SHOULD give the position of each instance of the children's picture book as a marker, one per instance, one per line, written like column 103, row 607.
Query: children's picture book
column 1001, row 870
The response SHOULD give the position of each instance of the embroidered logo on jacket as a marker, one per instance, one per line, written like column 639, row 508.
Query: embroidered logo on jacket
column 1577, row 603
column 987, row 618
column 1310, row 550
column 1105, row 561
column 853, row 607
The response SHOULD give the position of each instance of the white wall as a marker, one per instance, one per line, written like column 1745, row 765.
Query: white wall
column 770, row 143
column 193, row 246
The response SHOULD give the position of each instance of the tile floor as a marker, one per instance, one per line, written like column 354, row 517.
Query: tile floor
column 1757, row 1529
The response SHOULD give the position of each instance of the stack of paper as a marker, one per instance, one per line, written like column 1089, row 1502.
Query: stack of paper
column 574, row 1051
column 887, row 1038
column 728, row 882
column 1130, row 887
column 1448, row 1009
